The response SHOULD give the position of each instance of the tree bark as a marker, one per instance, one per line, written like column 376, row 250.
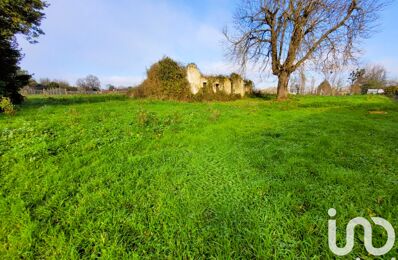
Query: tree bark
column 283, row 83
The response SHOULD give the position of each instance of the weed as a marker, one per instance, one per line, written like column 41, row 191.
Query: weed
column 146, row 119
column 214, row 115
column 6, row 106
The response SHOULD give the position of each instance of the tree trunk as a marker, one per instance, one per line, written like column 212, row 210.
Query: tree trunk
column 283, row 83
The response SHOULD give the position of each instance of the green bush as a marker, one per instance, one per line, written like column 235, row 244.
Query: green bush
column 364, row 89
column 256, row 93
column 12, row 78
column 6, row 106
column 207, row 94
column 146, row 119
column 136, row 92
column 166, row 79
column 391, row 91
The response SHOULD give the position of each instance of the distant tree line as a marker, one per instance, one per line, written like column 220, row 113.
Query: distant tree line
column 371, row 77
column 89, row 83
column 359, row 81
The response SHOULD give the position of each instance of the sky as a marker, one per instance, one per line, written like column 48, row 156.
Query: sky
column 119, row 40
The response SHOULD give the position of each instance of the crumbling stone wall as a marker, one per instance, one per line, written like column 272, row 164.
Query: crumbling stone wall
column 325, row 89
column 194, row 78
column 238, row 84
column 234, row 84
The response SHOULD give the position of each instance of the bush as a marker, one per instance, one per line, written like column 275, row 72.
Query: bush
column 6, row 106
column 214, row 115
column 136, row 92
column 364, row 89
column 146, row 119
column 207, row 94
column 257, row 93
column 12, row 79
column 391, row 91
column 166, row 79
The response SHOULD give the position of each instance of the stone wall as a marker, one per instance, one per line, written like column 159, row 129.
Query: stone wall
column 230, row 85
column 194, row 78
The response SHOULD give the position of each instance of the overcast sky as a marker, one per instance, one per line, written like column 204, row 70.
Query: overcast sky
column 119, row 40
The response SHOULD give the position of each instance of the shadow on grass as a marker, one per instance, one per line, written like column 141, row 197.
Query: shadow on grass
column 263, row 96
column 38, row 101
column 341, row 158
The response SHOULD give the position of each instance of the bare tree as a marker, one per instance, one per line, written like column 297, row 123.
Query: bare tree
column 313, row 88
column 373, row 76
column 303, row 80
column 335, row 78
column 356, row 76
column 90, row 82
column 295, row 84
column 285, row 34
column 338, row 82
column 392, row 82
column 44, row 81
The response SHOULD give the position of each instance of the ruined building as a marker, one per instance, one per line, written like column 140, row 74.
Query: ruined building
column 231, row 85
column 324, row 89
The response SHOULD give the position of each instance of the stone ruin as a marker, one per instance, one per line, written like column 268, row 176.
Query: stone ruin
column 232, row 85
column 324, row 89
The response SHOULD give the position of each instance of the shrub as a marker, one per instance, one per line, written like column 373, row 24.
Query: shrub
column 6, row 106
column 151, row 124
column 214, row 115
column 146, row 119
column 136, row 92
column 257, row 93
column 391, row 91
column 12, row 79
column 364, row 89
column 166, row 79
column 356, row 89
column 209, row 95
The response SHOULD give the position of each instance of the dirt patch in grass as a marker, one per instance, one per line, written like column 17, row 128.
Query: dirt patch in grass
column 378, row 112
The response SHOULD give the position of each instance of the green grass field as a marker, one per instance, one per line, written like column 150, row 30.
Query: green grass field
column 110, row 177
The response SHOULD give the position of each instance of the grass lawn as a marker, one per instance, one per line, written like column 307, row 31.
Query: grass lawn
column 105, row 176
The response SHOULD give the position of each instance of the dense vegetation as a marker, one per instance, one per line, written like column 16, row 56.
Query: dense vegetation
column 391, row 91
column 166, row 79
column 16, row 17
column 12, row 79
column 106, row 176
